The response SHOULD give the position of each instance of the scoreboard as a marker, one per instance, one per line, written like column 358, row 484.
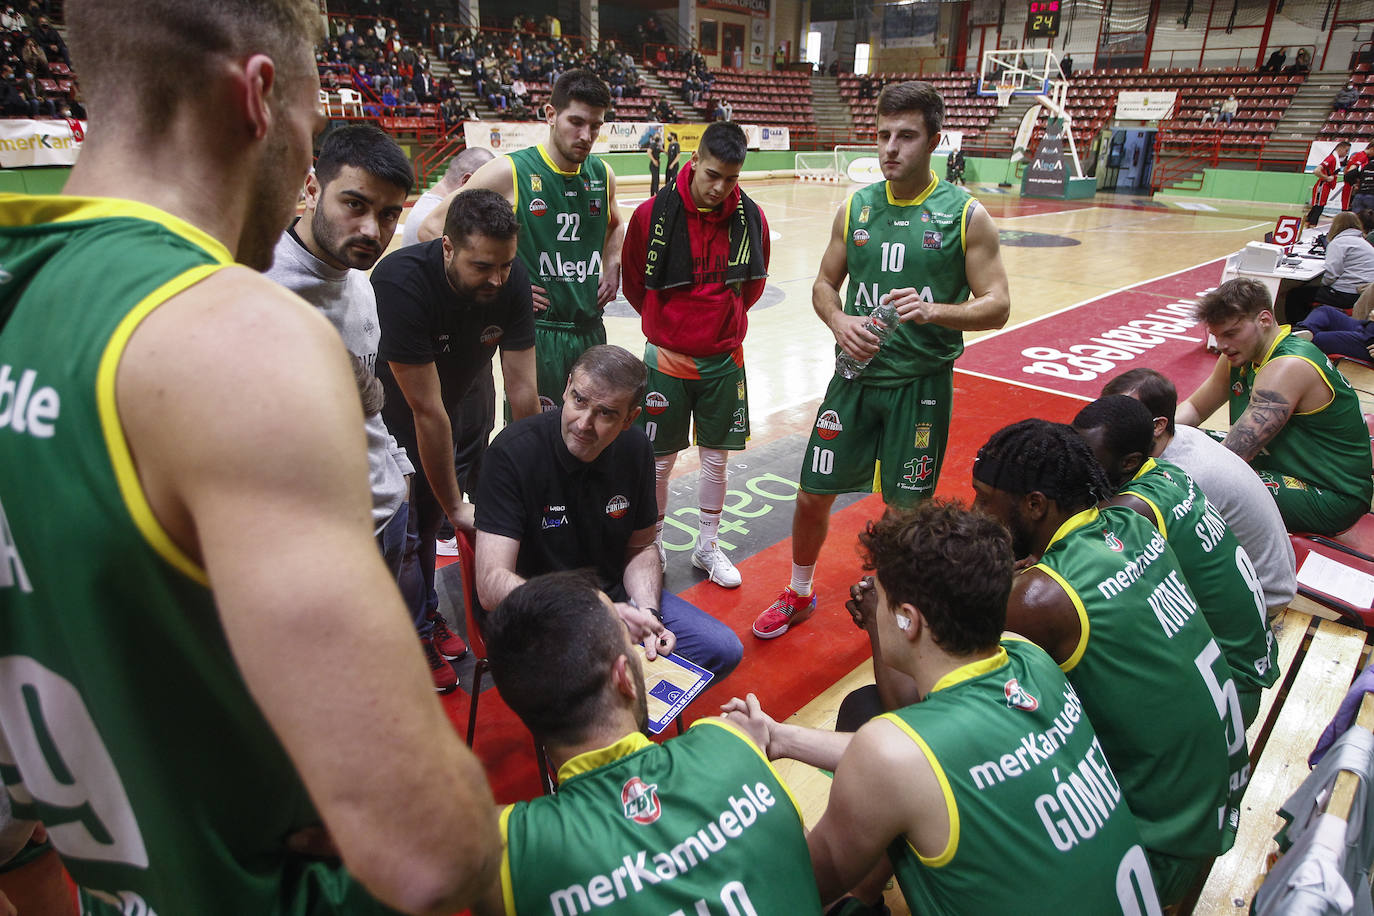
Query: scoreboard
column 1043, row 18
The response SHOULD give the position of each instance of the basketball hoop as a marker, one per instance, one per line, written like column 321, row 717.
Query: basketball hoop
column 1004, row 93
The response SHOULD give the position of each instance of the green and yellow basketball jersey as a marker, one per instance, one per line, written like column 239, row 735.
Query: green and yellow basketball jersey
column 1153, row 681
column 1219, row 572
column 1031, row 795
column 1328, row 447
column 124, row 723
column 563, row 218
column 919, row 243
column 638, row 827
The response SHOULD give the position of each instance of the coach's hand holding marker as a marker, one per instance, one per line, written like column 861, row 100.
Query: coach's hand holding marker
column 647, row 629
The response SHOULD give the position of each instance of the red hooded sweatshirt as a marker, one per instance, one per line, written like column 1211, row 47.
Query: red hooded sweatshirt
column 709, row 317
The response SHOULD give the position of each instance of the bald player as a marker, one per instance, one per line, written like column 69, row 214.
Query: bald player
column 460, row 168
column 203, row 426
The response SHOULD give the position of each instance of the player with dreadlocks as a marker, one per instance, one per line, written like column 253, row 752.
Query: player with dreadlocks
column 1107, row 600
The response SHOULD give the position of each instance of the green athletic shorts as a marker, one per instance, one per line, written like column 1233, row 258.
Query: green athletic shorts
column 1174, row 876
column 904, row 430
column 1305, row 507
column 557, row 345
column 719, row 407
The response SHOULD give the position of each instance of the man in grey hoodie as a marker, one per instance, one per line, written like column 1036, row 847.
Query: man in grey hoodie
column 353, row 201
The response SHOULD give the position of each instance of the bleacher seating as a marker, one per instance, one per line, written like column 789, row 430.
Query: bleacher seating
column 1358, row 121
column 757, row 97
column 965, row 110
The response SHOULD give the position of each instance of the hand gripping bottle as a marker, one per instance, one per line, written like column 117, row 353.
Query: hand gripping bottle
column 880, row 323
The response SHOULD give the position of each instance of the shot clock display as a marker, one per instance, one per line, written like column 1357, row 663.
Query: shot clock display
column 1043, row 18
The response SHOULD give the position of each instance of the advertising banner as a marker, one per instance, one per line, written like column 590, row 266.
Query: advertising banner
column 615, row 137
column 752, row 7
column 1154, row 105
column 1048, row 172
column 25, row 143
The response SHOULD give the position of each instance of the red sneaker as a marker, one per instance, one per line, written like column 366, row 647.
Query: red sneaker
column 789, row 610
column 449, row 643
column 445, row 678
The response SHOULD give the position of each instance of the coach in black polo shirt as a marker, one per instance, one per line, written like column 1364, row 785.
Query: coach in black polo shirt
column 574, row 489
column 445, row 307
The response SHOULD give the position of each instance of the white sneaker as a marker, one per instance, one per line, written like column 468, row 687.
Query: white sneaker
column 717, row 567
column 447, row 548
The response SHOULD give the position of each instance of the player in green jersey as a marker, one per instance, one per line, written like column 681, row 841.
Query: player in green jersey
column 974, row 781
column 636, row 827
column 1293, row 416
column 1120, row 431
column 928, row 249
column 1107, row 600
column 570, row 227
column 170, row 700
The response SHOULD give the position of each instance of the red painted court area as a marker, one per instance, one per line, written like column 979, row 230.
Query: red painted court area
column 1077, row 350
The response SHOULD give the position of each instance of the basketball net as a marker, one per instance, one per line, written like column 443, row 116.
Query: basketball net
column 1004, row 93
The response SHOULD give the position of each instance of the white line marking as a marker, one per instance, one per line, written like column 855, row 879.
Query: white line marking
column 998, row 378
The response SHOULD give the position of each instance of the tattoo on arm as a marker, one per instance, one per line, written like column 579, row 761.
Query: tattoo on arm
column 1261, row 422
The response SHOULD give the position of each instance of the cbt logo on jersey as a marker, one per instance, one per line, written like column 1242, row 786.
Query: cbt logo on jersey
column 655, row 402
column 640, row 801
column 491, row 335
column 860, row 237
column 828, row 425
column 618, row 506
column 538, row 207
column 1018, row 698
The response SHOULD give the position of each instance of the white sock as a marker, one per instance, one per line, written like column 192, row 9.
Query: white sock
column 663, row 469
column 708, row 526
column 802, row 578
column 711, row 496
column 658, row 531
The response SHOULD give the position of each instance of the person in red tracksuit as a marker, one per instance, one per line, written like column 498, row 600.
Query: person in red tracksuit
column 1357, row 163
column 1328, row 173
column 695, row 259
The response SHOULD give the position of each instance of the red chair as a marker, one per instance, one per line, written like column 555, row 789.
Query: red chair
column 467, row 564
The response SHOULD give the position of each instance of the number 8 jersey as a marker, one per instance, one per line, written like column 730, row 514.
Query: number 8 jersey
column 919, row 243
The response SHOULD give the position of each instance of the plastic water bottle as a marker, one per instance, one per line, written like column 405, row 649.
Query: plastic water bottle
column 880, row 323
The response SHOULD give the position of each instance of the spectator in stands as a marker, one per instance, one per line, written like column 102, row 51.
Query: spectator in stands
column 1345, row 99
column 954, row 168
column 13, row 100
column 520, row 91
column 1349, row 268
column 1275, row 62
column 35, row 61
column 1300, row 65
column 50, row 40
column 10, row 20
column 1066, row 66
column 835, row 66
column 1229, row 109
column 1213, row 113
column 39, row 103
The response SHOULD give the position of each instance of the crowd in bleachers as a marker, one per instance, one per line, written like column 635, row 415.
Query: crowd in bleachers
column 35, row 70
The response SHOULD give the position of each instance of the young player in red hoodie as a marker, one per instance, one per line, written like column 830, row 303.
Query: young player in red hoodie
column 695, row 259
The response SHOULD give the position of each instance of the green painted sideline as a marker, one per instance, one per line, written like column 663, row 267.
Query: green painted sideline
column 39, row 180
column 1234, row 184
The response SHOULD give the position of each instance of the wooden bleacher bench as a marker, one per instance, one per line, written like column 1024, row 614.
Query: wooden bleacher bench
column 1319, row 659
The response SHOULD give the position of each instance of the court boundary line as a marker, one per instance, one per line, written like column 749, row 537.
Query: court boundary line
column 1019, row 384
